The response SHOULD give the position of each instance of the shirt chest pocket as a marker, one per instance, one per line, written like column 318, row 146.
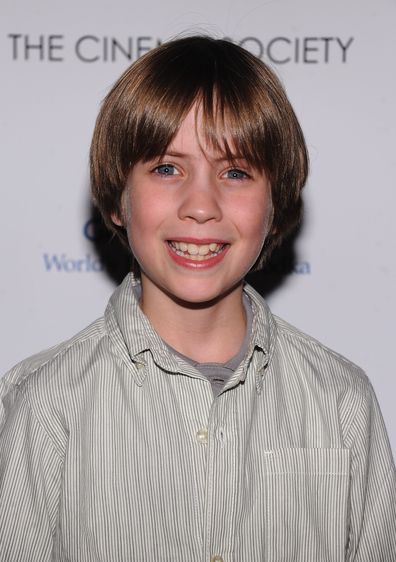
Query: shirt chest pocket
column 306, row 505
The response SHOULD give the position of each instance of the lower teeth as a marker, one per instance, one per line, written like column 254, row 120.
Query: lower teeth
column 196, row 257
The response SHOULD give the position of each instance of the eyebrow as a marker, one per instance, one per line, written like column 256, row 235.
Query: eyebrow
column 175, row 154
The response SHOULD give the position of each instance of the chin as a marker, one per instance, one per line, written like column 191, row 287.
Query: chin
column 198, row 296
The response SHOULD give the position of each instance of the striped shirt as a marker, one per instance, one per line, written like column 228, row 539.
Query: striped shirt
column 113, row 449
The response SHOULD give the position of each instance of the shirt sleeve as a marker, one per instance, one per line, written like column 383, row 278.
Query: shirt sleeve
column 372, row 536
column 30, row 477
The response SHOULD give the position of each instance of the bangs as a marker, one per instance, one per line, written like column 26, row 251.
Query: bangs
column 221, row 127
column 233, row 122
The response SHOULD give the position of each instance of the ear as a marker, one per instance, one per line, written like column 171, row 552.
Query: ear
column 117, row 220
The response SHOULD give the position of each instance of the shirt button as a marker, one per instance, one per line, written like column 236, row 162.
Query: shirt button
column 202, row 436
column 216, row 559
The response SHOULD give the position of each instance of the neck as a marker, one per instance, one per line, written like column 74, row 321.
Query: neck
column 207, row 333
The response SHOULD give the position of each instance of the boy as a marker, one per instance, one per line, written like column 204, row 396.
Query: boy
column 188, row 423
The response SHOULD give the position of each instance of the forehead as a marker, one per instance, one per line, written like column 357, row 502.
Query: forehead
column 203, row 133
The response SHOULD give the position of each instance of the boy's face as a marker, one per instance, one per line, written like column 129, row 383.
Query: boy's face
column 196, row 223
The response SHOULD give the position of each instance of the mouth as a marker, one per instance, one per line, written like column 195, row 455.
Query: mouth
column 197, row 252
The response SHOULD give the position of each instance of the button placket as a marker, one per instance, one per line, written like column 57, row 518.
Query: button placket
column 221, row 477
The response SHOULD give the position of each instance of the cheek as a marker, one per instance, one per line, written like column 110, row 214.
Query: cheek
column 131, row 216
column 255, row 218
column 145, row 216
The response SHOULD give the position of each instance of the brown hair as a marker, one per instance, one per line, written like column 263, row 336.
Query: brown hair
column 244, row 110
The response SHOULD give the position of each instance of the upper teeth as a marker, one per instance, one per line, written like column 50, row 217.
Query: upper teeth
column 197, row 249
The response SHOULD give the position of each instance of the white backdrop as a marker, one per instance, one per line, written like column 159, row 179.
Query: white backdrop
column 336, row 59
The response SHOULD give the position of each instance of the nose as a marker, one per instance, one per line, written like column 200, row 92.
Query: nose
column 200, row 201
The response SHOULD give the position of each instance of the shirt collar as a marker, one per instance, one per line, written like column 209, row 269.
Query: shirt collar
column 263, row 338
column 134, row 338
column 264, row 327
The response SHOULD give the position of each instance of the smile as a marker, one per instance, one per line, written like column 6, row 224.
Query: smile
column 196, row 252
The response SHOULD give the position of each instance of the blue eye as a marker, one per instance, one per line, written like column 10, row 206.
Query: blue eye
column 166, row 170
column 236, row 174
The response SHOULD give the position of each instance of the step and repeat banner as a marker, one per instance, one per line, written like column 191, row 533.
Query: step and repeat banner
column 334, row 280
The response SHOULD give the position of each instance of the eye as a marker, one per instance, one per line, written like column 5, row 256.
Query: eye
column 236, row 174
column 166, row 170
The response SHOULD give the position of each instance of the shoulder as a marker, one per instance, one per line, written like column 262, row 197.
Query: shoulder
column 325, row 374
column 300, row 352
column 44, row 376
column 44, row 360
column 308, row 355
column 320, row 378
column 305, row 347
column 60, row 381
column 308, row 370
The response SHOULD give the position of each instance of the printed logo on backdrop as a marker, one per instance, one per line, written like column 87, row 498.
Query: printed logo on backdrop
column 91, row 48
column 105, row 254
column 88, row 263
column 68, row 264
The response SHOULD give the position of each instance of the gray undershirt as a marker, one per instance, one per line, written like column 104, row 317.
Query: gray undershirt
column 219, row 373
